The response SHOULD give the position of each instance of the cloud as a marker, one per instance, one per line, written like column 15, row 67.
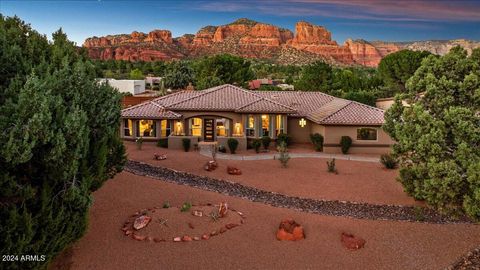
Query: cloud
column 381, row 10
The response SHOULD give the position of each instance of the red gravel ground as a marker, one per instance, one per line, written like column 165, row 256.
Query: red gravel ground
column 390, row 245
column 305, row 177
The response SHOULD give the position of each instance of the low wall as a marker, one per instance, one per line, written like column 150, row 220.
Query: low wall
column 175, row 142
column 358, row 149
column 242, row 142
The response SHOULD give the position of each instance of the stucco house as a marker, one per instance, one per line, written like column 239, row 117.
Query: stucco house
column 227, row 111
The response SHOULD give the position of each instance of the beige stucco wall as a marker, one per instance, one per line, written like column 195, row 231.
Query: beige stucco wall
column 333, row 135
column 299, row 134
column 175, row 142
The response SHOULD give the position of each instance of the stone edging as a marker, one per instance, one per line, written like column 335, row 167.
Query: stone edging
column 471, row 260
column 323, row 207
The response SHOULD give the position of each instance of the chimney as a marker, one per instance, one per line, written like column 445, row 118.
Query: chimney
column 190, row 87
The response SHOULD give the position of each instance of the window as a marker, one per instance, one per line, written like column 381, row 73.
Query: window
column 367, row 134
column 196, row 126
column 250, row 125
column 127, row 127
column 146, row 128
column 178, row 128
column 265, row 125
column 279, row 124
column 222, row 127
column 165, row 128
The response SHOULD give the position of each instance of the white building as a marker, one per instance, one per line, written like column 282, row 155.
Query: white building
column 134, row 87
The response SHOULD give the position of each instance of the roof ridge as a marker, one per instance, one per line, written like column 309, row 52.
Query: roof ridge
column 336, row 111
column 203, row 92
column 137, row 105
column 164, row 109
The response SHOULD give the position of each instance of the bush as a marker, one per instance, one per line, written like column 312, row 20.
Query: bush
column 284, row 156
column 256, row 145
column 162, row 143
column 266, row 142
column 331, row 166
column 232, row 145
column 317, row 140
column 222, row 149
column 283, row 137
column 139, row 142
column 346, row 143
column 186, row 144
column 388, row 161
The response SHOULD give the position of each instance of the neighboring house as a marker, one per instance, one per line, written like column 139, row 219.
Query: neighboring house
column 153, row 80
column 126, row 86
column 256, row 84
column 227, row 111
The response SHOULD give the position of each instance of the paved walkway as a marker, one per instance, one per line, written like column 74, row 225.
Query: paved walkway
column 207, row 152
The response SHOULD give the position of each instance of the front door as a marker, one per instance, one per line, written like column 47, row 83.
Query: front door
column 208, row 134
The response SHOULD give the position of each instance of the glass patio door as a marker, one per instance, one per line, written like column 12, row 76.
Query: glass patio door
column 208, row 128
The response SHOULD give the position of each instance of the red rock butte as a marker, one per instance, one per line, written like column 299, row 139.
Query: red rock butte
column 252, row 39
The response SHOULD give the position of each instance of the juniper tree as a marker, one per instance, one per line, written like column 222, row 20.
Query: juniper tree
column 438, row 133
column 59, row 142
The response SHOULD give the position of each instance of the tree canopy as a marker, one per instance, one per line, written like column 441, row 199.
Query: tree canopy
column 438, row 133
column 59, row 141
column 179, row 75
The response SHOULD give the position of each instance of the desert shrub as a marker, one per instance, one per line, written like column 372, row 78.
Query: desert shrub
column 331, row 166
column 284, row 156
column 317, row 140
column 222, row 148
column 283, row 137
column 345, row 143
column 163, row 143
column 232, row 145
column 139, row 142
column 186, row 206
column 186, row 144
column 256, row 144
column 388, row 161
column 166, row 205
column 266, row 142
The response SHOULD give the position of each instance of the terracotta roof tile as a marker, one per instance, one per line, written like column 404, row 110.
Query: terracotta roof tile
column 265, row 106
column 355, row 114
column 150, row 110
column 328, row 109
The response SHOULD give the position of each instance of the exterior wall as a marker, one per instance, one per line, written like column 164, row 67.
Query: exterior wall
column 175, row 142
column 242, row 142
column 299, row 134
column 333, row 135
column 127, row 86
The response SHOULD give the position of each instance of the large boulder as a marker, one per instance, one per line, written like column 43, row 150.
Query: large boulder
column 352, row 242
column 290, row 230
column 233, row 170
column 141, row 222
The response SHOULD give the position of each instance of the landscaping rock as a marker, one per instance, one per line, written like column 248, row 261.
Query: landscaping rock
column 231, row 226
column 352, row 242
column 186, row 238
column 233, row 171
column 197, row 213
column 210, row 165
column 157, row 240
column 139, row 237
column 222, row 209
column 141, row 222
column 290, row 230
column 205, row 237
column 159, row 156
column 196, row 238
column 128, row 232
column 177, row 239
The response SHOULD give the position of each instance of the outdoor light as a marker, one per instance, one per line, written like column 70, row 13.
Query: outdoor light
column 302, row 122
column 237, row 129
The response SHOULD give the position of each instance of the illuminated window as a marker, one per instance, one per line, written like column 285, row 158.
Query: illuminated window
column 237, row 129
column 127, row 127
column 196, row 127
column 178, row 128
column 146, row 128
column 250, row 125
column 265, row 125
column 222, row 127
column 279, row 124
column 367, row 134
column 165, row 128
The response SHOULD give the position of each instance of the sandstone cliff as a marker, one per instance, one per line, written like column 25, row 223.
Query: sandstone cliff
column 252, row 39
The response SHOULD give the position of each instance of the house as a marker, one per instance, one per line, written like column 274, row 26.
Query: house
column 126, row 86
column 227, row 111
column 256, row 84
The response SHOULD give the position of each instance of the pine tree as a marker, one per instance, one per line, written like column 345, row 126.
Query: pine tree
column 438, row 133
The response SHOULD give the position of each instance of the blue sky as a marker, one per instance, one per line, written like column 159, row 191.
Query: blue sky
column 399, row 20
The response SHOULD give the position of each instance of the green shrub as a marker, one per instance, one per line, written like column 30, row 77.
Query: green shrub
column 163, row 143
column 388, row 161
column 283, row 137
column 331, row 166
column 186, row 144
column 139, row 142
column 166, row 205
column 284, row 156
column 266, row 142
column 232, row 145
column 186, row 206
column 345, row 143
column 317, row 140
column 256, row 144
column 222, row 149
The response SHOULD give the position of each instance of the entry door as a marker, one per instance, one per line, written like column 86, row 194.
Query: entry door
column 208, row 128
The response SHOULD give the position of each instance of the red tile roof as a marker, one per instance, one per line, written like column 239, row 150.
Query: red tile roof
column 315, row 106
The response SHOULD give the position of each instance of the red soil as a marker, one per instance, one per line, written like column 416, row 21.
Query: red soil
column 304, row 177
column 390, row 245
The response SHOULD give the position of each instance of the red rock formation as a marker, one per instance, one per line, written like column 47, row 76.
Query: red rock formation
column 254, row 40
